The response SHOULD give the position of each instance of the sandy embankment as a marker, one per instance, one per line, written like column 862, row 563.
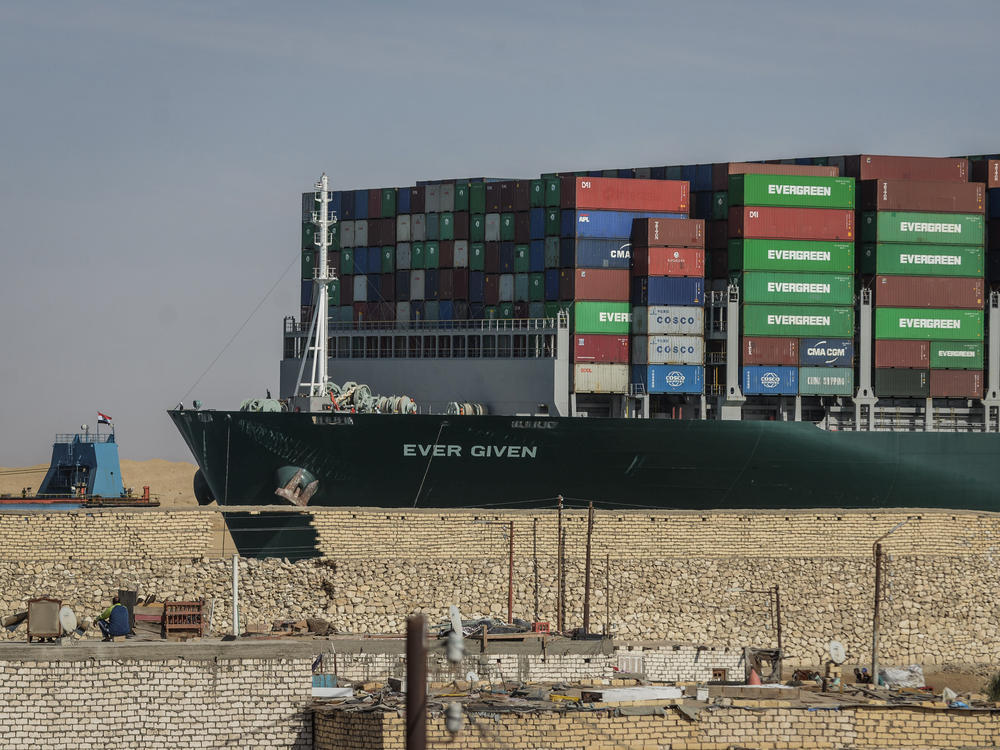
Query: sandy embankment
column 169, row 481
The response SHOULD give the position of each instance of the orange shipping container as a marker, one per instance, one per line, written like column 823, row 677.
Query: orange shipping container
column 618, row 194
column 668, row 261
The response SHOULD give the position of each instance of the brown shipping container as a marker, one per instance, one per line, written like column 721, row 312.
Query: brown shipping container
column 956, row 383
column 417, row 201
column 624, row 194
column 566, row 283
column 461, row 281
column 522, row 195
column 507, row 195
column 387, row 286
column 929, row 291
column 461, row 225
column 668, row 261
column 375, row 202
column 491, row 289
column 762, row 350
column 600, row 348
column 910, row 195
column 908, row 354
column 870, row 167
column 492, row 197
column 721, row 172
column 668, row 233
column 446, row 283
column 604, row 284
column 491, row 258
column 446, row 254
column 770, row 223
column 718, row 235
column 985, row 170
column 717, row 264
column 522, row 227
column 993, row 235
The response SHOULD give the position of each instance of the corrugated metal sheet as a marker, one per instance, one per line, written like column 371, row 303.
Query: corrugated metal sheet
column 664, row 319
column 923, row 260
column 624, row 194
column 606, row 224
column 600, row 378
column 956, row 384
column 670, row 350
column 826, row 381
column 770, row 350
column 957, row 355
column 872, row 167
column 986, row 170
column 906, row 195
column 811, row 321
column 928, row 291
column 601, row 284
column 668, row 290
column 902, row 354
column 668, row 261
column 770, row 381
column 601, row 317
column 721, row 172
column 598, row 253
column 600, row 348
column 668, row 233
column 768, row 222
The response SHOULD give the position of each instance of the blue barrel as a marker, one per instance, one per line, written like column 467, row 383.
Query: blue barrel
column 761, row 380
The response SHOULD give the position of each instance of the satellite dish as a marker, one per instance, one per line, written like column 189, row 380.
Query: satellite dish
column 67, row 619
column 471, row 677
column 837, row 653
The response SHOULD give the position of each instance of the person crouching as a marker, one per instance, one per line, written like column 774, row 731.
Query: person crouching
column 114, row 621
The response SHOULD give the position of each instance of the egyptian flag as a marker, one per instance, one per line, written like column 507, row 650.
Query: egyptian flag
column 103, row 418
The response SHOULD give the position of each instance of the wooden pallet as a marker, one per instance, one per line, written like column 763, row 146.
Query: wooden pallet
column 184, row 619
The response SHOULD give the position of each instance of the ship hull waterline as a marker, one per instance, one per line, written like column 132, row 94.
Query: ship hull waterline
column 443, row 461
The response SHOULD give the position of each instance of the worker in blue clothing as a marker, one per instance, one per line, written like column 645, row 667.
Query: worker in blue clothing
column 114, row 621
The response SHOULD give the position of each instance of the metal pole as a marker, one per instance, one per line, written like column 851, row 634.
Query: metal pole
column 607, row 596
column 777, row 612
column 534, row 557
column 586, row 574
column 878, row 597
column 236, row 594
column 510, row 579
column 416, row 683
column 559, row 568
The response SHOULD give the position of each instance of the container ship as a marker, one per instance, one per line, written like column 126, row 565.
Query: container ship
column 803, row 333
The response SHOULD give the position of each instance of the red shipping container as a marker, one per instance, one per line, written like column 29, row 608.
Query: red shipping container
column 566, row 283
column 446, row 283
column 507, row 195
column 929, row 291
column 387, row 286
column 462, row 225
column 985, row 170
column 771, row 223
column 870, row 167
column 914, row 355
column 491, row 289
column 911, row 195
column 718, row 235
column 605, row 284
column 721, row 172
column 361, row 311
column 446, row 254
column 522, row 195
column 374, row 203
column 461, row 282
column 763, row 350
column 491, row 258
column 668, row 232
column 417, row 199
column 956, row 383
column 600, row 348
column 668, row 261
column 614, row 194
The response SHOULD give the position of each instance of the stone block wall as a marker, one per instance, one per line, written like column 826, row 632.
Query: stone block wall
column 147, row 703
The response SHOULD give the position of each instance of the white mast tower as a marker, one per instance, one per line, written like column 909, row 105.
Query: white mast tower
column 315, row 387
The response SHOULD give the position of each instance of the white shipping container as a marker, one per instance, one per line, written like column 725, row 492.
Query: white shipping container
column 447, row 196
column 668, row 350
column 403, row 228
column 418, row 228
column 461, row 253
column 346, row 233
column 506, row 287
column 600, row 378
column 361, row 288
column 402, row 312
column 432, row 199
column 492, row 227
column 416, row 285
column 403, row 256
column 361, row 233
column 675, row 319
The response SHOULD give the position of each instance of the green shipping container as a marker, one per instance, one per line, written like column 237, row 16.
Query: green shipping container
column 791, row 191
column 461, row 196
column 507, row 227
column 432, row 226
column 939, row 325
column 826, row 381
column 536, row 287
column 808, row 321
column 552, row 223
column 388, row 202
column 490, row 312
column 447, row 228
column 308, row 263
column 334, row 238
column 798, row 288
column 929, row 229
column 477, row 228
column 551, row 309
column 388, row 259
column 308, row 235
column 418, row 258
column 601, row 317
column 537, row 193
column 957, row 355
column 552, row 191
column 522, row 259
column 720, row 206
column 346, row 261
column 891, row 258
column 552, row 252
column 674, row 173
column 477, row 256
column 333, row 289
column 432, row 254
column 506, row 310
column 477, row 197
column 791, row 255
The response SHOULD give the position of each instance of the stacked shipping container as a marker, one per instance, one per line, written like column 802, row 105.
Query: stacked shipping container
column 668, row 296
column 791, row 238
column 923, row 241
column 596, row 220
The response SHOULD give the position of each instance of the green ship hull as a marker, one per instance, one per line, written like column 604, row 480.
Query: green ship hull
column 438, row 461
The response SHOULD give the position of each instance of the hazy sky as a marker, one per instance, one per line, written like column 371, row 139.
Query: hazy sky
column 152, row 155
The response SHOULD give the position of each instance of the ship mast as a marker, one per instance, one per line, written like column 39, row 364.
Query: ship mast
column 316, row 385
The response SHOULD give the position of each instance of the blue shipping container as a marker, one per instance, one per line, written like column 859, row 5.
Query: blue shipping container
column 417, row 311
column 336, row 202
column 361, row 261
column 670, row 378
column 476, row 285
column 403, row 201
column 347, row 205
column 702, row 177
column 431, row 285
column 506, row 257
column 374, row 259
column 770, row 381
column 702, row 204
column 826, row 352
column 536, row 223
column 306, row 297
column 536, row 256
column 567, row 252
column 551, row 284
column 606, row 224
column 360, row 204
column 592, row 253
column 668, row 290
column 402, row 286
column 993, row 201
column 446, row 310
column 476, row 311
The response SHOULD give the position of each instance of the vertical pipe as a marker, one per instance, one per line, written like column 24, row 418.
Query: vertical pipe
column 878, row 597
column 559, row 570
column 510, row 579
column 607, row 596
column 586, row 575
column 416, row 683
column 777, row 610
column 236, row 595
column 534, row 558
